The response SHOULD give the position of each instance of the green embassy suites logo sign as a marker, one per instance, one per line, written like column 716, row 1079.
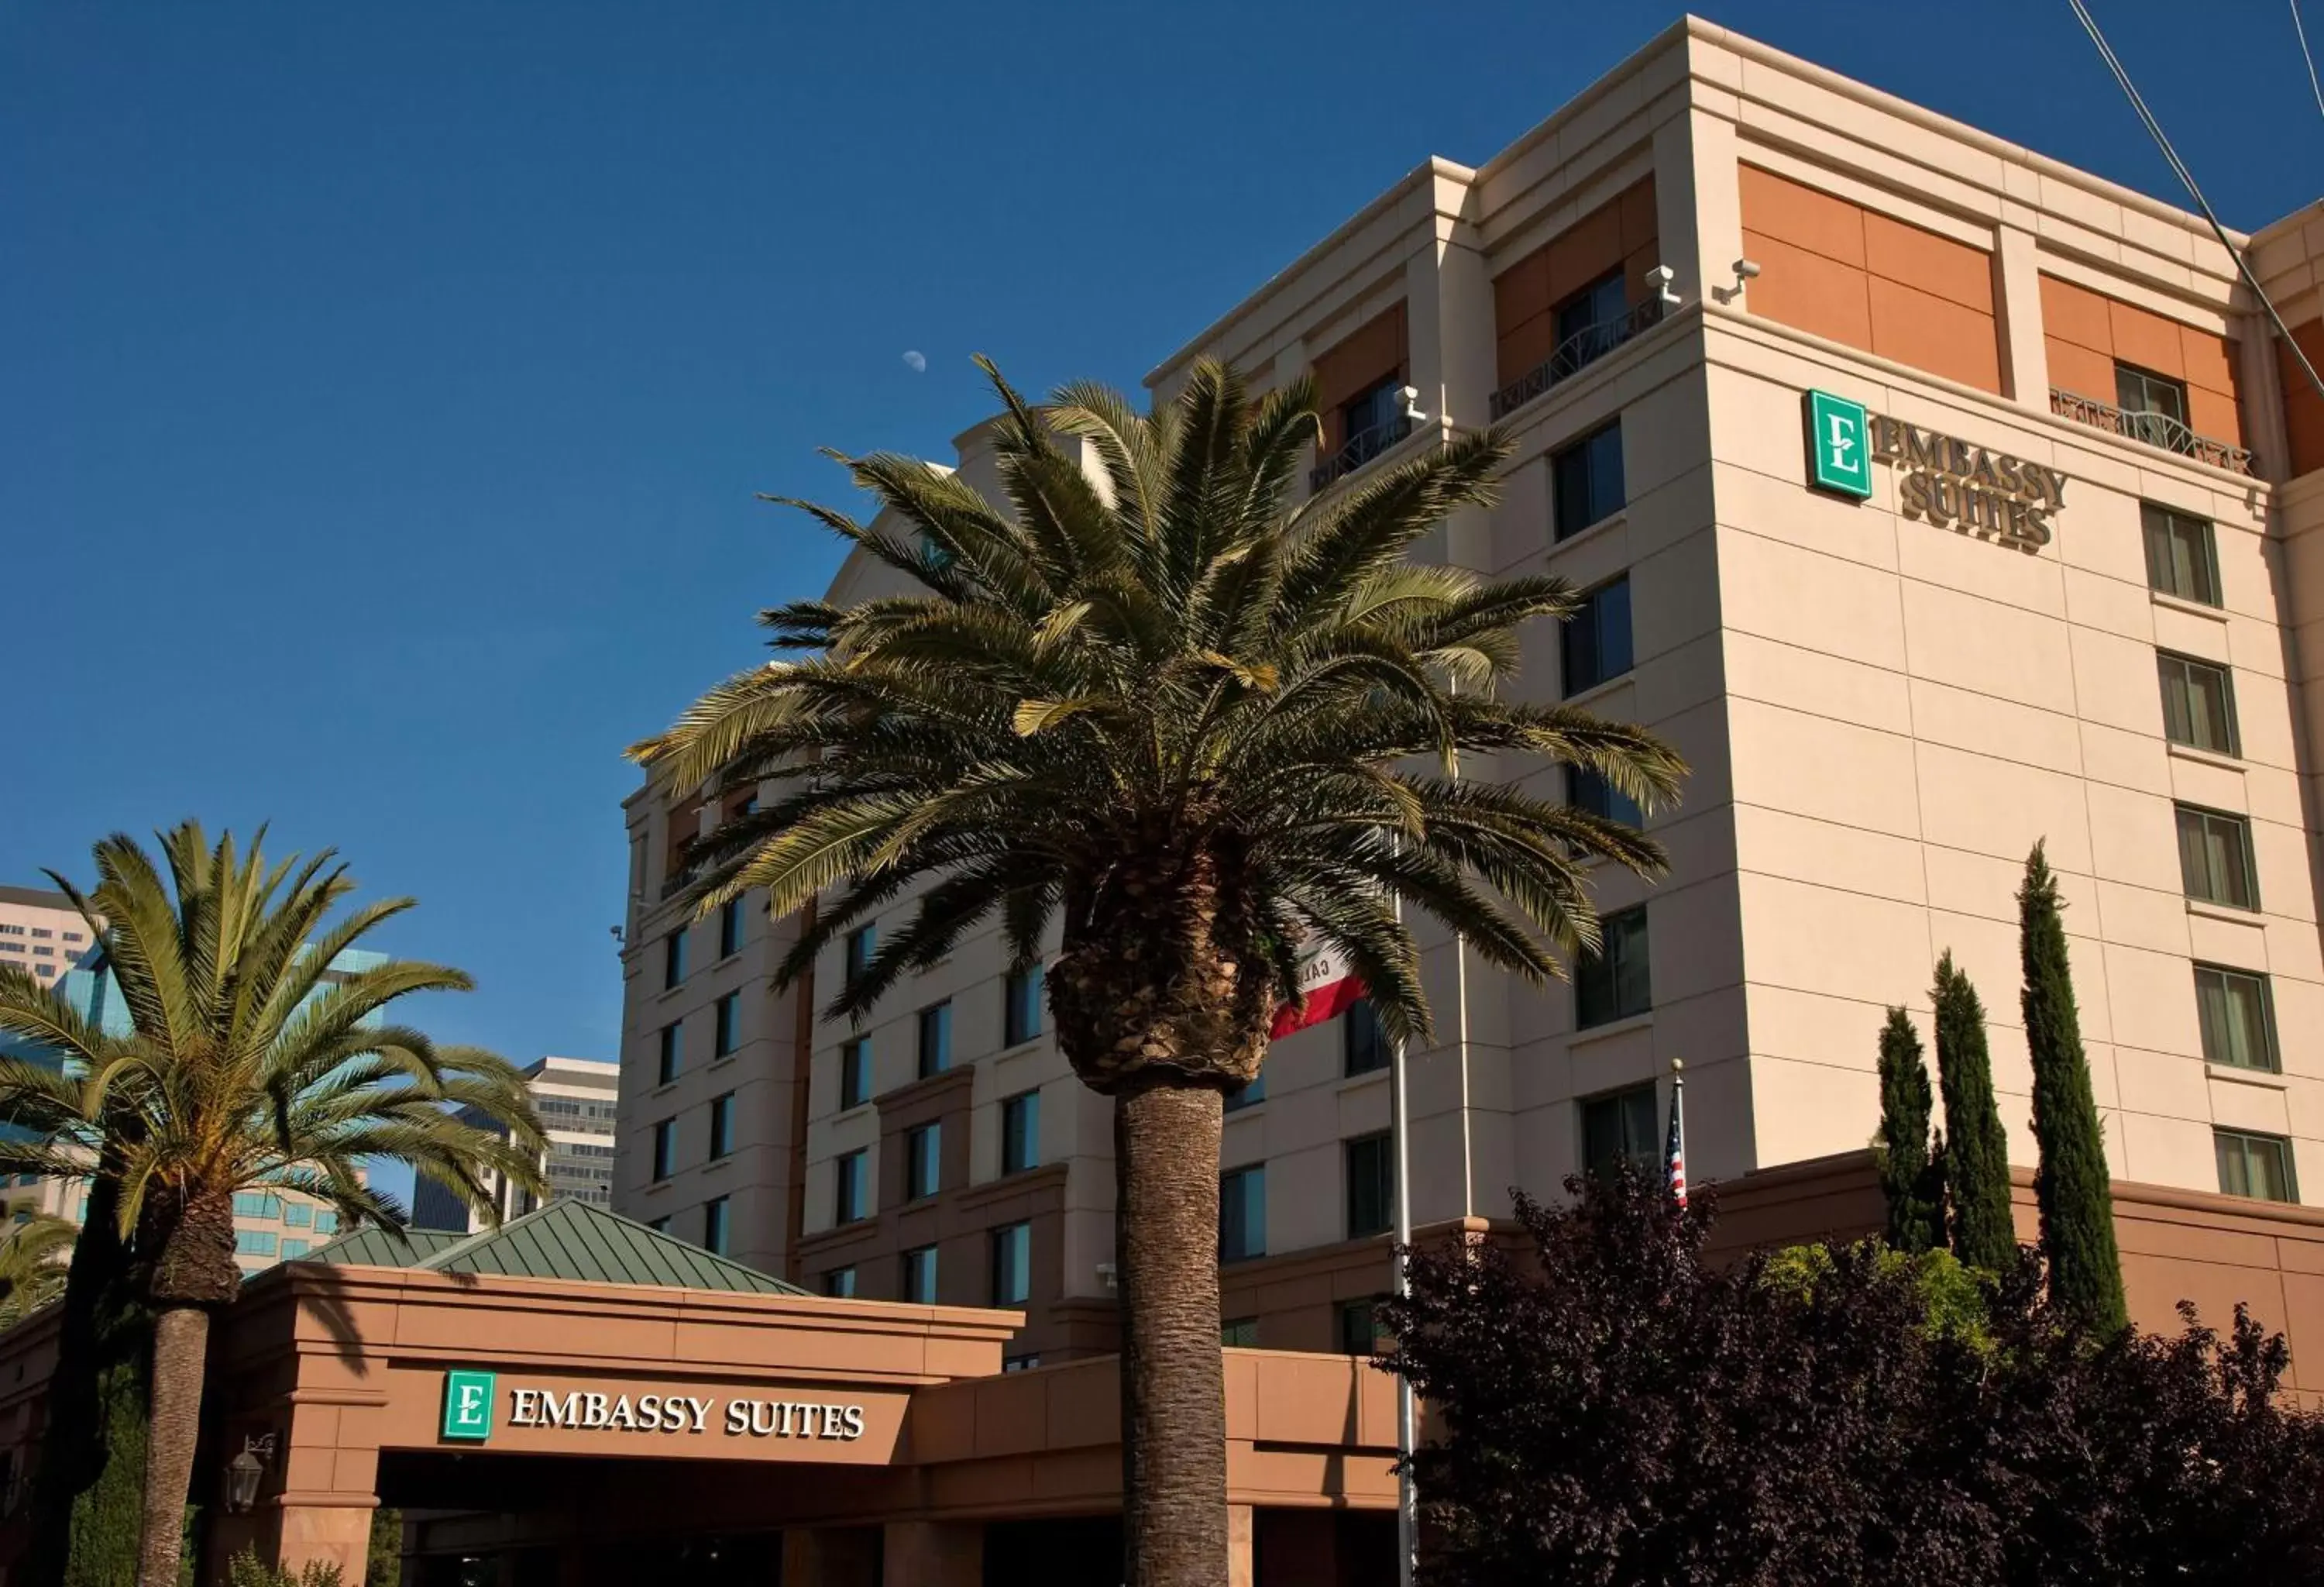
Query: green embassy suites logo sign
column 468, row 1406
column 1840, row 457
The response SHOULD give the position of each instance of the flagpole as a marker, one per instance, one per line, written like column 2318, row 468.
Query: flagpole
column 1408, row 1495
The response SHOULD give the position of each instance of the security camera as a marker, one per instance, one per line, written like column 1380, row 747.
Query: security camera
column 1660, row 278
column 1747, row 270
column 1410, row 397
column 1105, row 1276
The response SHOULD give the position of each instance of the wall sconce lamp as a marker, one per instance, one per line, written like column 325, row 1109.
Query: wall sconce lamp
column 1745, row 270
column 244, row 1470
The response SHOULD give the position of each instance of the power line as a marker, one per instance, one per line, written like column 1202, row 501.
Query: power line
column 2314, row 87
column 2162, row 141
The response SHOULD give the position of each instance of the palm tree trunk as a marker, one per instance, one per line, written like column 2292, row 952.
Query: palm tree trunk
column 1174, row 1420
column 181, row 1336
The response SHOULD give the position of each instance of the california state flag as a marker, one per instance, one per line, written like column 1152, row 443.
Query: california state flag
column 1326, row 987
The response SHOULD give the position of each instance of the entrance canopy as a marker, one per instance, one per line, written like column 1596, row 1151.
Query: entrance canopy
column 580, row 1385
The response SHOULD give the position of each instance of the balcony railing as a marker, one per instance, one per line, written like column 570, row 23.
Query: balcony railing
column 1575, row 353
column 1362, row 446
column 2156, row 429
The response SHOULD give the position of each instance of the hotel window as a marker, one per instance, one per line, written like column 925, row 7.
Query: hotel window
column 2182, row 557
column 665, row 1149
column 1020, row 1013
column 1242, row 1214
column 1240, row 1332
column 44, row 952
column 1020, row 1133
column 292, row 1249
column 1360, row 1329
column 1618, row 1128
column 1371, row 1186
column 1020, row 1363
column 729, row 1033
column 74, row 936
column 1586, row 481
column 860, row 944
column 2199, row 703
column 254, row 1204
column 1587, row 791
column 660, row 1225
column 1614, row 982
column 1369, row 423
column 730, row 928
column 936, row 1039
column 297, row 1215
column 839, row 1283
column 923, row 1161
column 2238, row 1010
column 1595, row 306
column 850, row 1175
column 715, row 1222
column 1595, row 642
column 722, row 1125
column 920, row 1275
column 1363, row 1045
column 1012, row 1264
column 2215, row 858
column 2257, row 1166
column 2158, row 400
column 854, row 1071
column 1256, row 1091
column 253, row 1242
column 673, row 958
column 41, row 931
column 670, row 1052
column 326, row 1221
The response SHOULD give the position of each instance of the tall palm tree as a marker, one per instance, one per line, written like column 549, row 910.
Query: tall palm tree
column 31, row 1266
column 1205, row 728
column 256, row 1057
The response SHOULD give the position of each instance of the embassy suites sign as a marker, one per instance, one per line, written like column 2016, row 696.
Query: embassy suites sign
column 1945, row 480
column 472, row 1400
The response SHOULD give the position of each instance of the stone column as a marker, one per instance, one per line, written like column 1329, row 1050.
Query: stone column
column 831, row 1556
column 2017, row 303
column 1241, row 1525
column 933, row 1553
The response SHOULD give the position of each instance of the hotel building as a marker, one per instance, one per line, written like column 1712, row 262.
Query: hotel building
column 41, row 932
column 2053, row 587
column 2049, row 566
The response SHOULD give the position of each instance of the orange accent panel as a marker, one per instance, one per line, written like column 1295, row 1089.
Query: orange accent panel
column 1522, row 290
column 1807, row 290
column 2303, row 409
column 2210, row 360
column 2083, row 370
column 1779, row 208
column 2147, row 340
column 1928, row 262
column 2214, row 415
column 1640, row 225
column 2075, row 314
column 1640, row 259
column 1592, row 247
column 1927, row 332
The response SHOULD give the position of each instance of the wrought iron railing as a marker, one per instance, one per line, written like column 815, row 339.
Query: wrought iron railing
column 2156, row 430
column 1575, row 353
column 1361, row 448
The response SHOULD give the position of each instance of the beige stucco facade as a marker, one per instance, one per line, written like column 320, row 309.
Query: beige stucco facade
column 1883, row 712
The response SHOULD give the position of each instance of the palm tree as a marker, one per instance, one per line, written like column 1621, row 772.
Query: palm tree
column 1204, row 729
column 31, row 1273
column 257, row 1056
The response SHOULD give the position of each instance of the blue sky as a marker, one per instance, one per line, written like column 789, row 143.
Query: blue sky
column 384, row 389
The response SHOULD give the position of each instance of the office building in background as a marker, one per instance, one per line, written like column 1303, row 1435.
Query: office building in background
column 575, row 1099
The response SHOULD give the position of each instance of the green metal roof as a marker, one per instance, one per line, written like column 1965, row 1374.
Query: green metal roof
column 568, row 1240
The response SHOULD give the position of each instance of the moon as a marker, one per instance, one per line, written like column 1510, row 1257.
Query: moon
column 917, row 361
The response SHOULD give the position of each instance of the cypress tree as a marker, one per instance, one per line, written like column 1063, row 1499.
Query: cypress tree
column 1976, row 1149
column 1915, row 1214
column 2071, row 1183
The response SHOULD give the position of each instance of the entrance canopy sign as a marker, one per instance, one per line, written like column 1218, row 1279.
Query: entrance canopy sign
column 471, row 1403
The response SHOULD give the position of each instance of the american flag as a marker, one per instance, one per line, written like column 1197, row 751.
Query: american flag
column 1674, row 1151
